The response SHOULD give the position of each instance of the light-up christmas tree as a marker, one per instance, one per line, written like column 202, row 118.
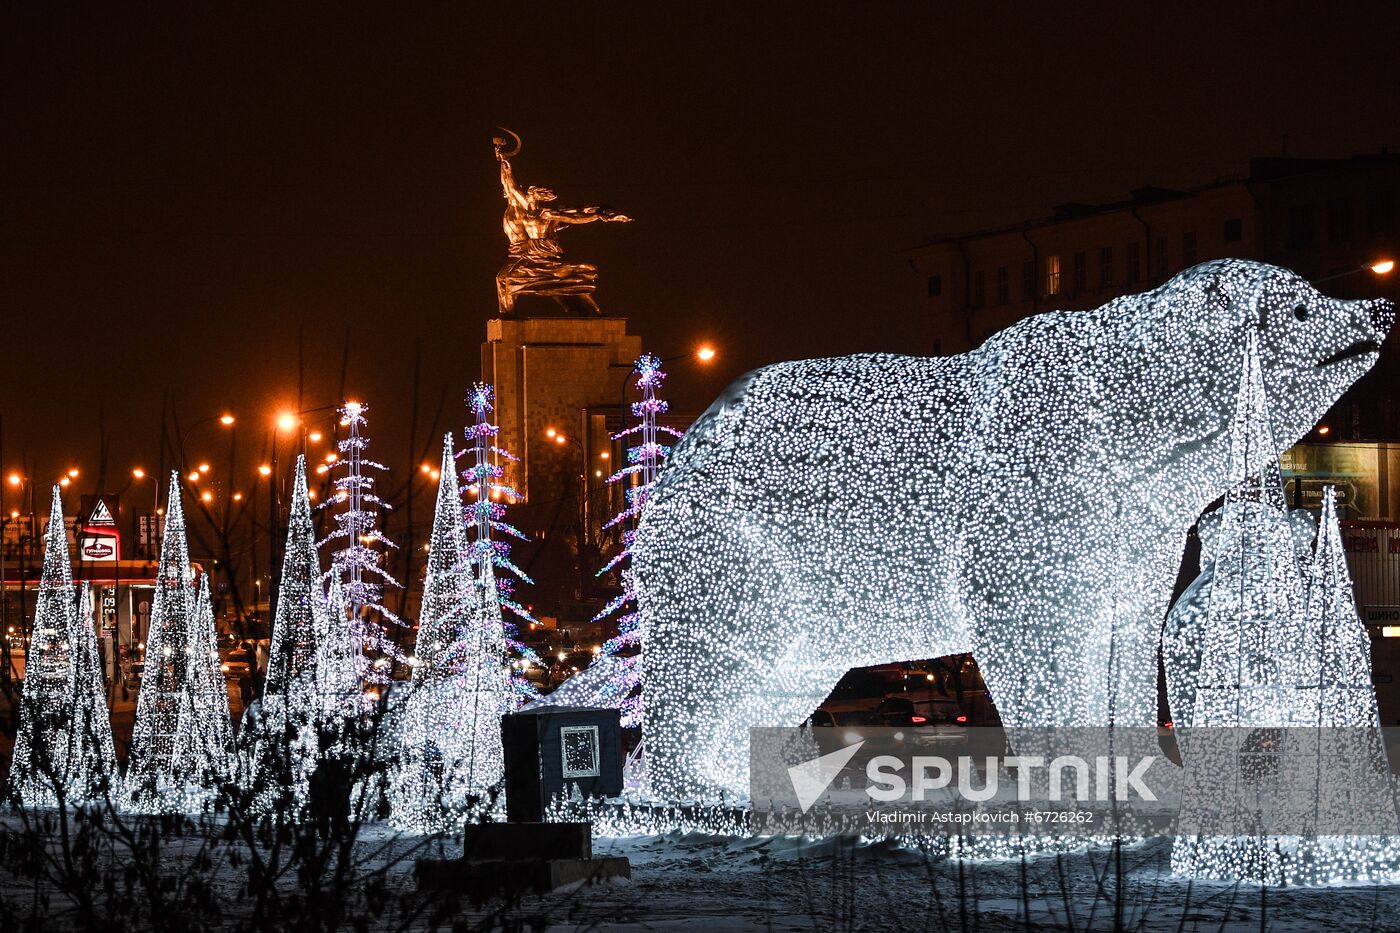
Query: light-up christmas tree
column 615, row 676
column 91, row 758
column 358, row 564
column 283, row 753
column 1260, row 645
column 1339, row 654
column 451, row 753
column 167, row 676
column 201, row 762
column 38, row 774
column 485, row 519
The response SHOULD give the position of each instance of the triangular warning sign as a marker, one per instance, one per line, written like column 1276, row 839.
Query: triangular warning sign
column 101, row 515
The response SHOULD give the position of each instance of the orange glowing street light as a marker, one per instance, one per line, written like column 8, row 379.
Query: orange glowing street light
column 550, row 432
column 286, row 421
column 138, row 473
column 15, row 479
column 314, row 437
column 65, row 482
column 1384, row 267
column 73, row 473
column 226, row 420
column 705, row 354
column 207, row 496
column 238, row 497
column 193, row 477
column 265, row 470
column 204, row 468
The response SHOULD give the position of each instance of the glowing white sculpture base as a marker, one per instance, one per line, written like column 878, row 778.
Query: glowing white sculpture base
column 1026, row 502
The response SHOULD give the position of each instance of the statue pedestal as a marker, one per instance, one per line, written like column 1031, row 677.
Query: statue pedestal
column 547, row 371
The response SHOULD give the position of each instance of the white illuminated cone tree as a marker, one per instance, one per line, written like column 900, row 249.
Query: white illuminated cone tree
column 91, row 758
column 177, row 680
column 450, row 739
column 201, row 763
column 37, row 774
column 283, row 753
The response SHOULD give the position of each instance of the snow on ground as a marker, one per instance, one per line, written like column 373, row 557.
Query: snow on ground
column 705, row 882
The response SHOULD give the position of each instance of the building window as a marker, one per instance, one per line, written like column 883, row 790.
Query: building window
column 1081, row 273
column 1188, row 249
column 1161, row 258
column 1234, row 230
column 1339, row 221
column 1052, row 275
column 1302, row 224
column 1003, row 286
column 935, row 286
column 1134, row 264
column 1378, row 212
column 979, row 289
column 1028, row 281
column 1105, row 267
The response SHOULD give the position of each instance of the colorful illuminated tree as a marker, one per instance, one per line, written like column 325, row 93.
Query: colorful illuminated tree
column 450, row 734
column 614, row 678
column 283, row 752
column 357, row 563
column 38, row 774
column 487, row 496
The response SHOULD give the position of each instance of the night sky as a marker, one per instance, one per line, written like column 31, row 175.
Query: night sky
column 181, row 192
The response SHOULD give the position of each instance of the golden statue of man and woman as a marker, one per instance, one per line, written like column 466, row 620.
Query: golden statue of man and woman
column 532, row 226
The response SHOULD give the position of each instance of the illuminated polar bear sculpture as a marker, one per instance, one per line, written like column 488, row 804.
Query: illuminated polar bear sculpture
column 1026, row 502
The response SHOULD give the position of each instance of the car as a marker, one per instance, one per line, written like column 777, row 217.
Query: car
column 931, row 720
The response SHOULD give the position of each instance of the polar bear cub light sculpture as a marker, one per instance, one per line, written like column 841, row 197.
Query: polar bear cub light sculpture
column 1026, row 502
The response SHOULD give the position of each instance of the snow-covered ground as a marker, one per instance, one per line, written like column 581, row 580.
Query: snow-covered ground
column 706, row 882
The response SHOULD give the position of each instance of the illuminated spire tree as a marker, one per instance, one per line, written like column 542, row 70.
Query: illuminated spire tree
column 91, row 759
column 200, row 765
column 285, row 747
column 615, row 676
column 487, row 495
column 166, row 677
column 485, row 511
column 358, row 563
column 46, row 714
column 451, row 748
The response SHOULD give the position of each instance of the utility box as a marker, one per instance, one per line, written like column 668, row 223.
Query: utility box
column 551, row 750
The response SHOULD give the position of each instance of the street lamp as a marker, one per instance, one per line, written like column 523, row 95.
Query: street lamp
column 1379, row 267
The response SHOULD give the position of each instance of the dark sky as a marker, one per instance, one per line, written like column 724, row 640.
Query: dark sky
column 180, row 191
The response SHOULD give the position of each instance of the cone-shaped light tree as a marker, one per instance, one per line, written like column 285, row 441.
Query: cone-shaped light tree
column 38, row 772
column 1339, row 656
column 151, row 782
column 91, row 758
column 356, row 561
column 283, row 752
column 201, row 763
column 451, row 751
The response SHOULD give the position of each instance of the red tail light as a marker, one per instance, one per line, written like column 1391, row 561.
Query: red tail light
column 962, row 720
column 918, row 719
